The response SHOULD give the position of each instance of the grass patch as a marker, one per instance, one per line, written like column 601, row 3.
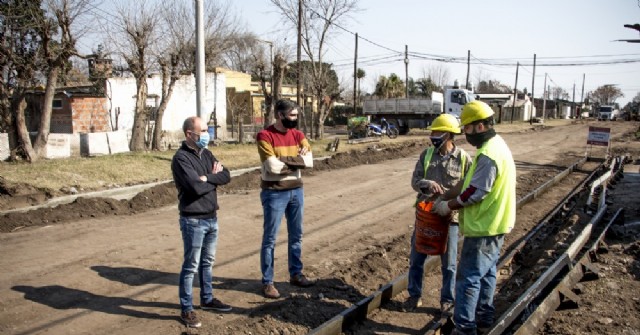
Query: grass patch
column 92, row 173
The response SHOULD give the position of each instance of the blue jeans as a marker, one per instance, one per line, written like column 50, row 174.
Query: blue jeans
column 448, row 262
column 199, row 238
column 289, row 203
column 476, row 283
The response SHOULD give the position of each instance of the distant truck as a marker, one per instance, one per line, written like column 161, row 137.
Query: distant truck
column 417, row 112
column 608, row 113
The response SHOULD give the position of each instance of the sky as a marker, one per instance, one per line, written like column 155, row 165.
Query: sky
column 498, row 33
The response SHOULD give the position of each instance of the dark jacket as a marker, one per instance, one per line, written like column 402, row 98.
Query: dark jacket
column 197, row 199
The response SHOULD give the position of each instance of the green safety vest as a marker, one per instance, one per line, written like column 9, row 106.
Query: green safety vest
column 496, row 213
column 427, row 160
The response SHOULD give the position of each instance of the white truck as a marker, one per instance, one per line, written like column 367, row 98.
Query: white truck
column 608, row 113
column 417, row 112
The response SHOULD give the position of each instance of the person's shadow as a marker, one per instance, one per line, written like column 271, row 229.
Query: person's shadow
column 308, row 307
column 60, row 297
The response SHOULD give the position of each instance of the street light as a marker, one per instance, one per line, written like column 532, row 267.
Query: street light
column 271, row 105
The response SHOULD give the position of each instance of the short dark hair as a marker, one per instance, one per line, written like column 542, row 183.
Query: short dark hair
column 284, row 106
column 189, row 124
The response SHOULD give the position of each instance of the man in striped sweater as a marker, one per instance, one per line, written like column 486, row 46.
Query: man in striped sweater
column 284, row 151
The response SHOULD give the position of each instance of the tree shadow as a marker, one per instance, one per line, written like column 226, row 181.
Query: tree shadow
column 60, row 297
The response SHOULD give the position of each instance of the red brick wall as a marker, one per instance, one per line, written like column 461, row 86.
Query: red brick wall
column 90, row 115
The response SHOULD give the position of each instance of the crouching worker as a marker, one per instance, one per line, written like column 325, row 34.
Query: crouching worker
column 439, row 168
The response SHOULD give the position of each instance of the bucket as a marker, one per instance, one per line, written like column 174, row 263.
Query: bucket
column 431, row 231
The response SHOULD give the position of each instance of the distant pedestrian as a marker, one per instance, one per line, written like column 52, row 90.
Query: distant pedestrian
column 439, row 168
column 197, row 174
column 487, row 200
column 284, row 151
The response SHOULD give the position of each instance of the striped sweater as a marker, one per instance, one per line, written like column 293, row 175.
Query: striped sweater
column 279, row 155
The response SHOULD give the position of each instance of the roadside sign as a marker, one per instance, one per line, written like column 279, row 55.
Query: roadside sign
column 599, row 136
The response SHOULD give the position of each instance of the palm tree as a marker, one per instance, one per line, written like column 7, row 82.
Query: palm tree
column 391, row 87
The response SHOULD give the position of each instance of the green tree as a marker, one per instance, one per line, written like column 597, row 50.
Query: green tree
column 360, row 74
column 389, row 87
column 492, row 86
column 426, row 86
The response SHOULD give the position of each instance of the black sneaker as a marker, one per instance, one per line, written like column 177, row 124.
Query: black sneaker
column 190, row 319
column 216, row 305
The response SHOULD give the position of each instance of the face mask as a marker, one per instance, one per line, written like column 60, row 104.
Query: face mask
column 478, row 139
column 438, row 141
column 289, row 124
column 203, row 140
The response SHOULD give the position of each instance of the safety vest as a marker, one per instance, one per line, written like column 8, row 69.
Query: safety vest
column 427, row 160
column 429, row 154
column 496, row 213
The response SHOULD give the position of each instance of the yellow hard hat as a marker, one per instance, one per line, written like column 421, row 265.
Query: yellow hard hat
column 446, row 122
column 474, row 111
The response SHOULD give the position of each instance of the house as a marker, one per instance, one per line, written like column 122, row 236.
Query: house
column 77, row 109
column 246, row 102
column 121, row 100
column 503, row 105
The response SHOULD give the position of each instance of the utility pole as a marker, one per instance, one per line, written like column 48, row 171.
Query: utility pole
column 406, row 71
column 573, row 101
column 544, row 97
column 299, row 53
column 533, row 82
column 200, row 69
column 515, row 93
column 582, row 96
column 468, row 67
column 355, row 79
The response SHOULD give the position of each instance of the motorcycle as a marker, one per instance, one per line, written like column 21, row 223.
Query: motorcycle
column 379, row 130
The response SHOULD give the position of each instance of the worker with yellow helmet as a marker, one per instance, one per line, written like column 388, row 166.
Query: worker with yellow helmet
column 439, row 168
column 487, row 201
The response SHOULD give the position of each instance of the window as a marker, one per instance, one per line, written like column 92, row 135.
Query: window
column 57, row 104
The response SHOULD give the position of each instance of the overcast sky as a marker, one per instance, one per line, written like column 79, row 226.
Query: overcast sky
column 496, row 32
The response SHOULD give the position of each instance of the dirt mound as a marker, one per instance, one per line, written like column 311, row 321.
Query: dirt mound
column 166, row 194
column 15, row 195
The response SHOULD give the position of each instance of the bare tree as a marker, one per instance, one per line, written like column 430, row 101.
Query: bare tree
column 19, row 59
column 137, row 31
column 317, row 24
column 606, row 94
column 48, row 37
column 559, row 93
column 438, row 73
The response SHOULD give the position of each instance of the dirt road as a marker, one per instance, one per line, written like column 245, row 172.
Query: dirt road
column 118, row 275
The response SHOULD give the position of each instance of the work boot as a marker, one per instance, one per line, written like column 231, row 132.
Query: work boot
column 411, row 304
column 270, row 291
column 446, row 309
column 190, row 319
column 301, row 281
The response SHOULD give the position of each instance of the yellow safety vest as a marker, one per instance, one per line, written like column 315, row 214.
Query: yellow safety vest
column 496, row 213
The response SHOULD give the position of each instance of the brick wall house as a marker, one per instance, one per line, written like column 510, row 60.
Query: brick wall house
column 74, row 110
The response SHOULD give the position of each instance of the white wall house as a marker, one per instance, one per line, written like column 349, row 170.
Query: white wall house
column 122, row 94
